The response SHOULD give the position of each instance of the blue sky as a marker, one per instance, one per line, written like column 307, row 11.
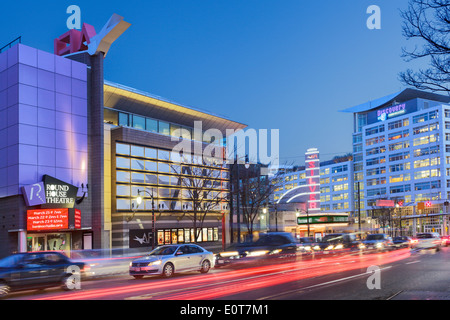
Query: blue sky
column 289, row 65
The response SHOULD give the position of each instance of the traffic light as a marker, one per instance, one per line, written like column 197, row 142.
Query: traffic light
column 428, row 204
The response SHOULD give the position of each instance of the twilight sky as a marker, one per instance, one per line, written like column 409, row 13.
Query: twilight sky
column 289, row 65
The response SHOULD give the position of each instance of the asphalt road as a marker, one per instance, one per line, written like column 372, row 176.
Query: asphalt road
column 398, row 275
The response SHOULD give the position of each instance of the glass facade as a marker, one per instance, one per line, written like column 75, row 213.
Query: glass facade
column 125, row 119
column 173, row 180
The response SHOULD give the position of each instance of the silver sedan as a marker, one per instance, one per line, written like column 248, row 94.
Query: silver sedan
column 168, row 259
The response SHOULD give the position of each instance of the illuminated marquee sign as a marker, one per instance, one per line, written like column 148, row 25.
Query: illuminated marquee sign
column 390, row 112
column 51, row 193
column 322, row 219
column 47, row 219
column 53, row 219
column 313, row 179
column 59, row 193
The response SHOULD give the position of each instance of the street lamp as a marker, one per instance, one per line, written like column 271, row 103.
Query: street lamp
column 307, row 216
column 139, row 201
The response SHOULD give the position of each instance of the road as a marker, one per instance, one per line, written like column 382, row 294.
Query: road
column 400, row 274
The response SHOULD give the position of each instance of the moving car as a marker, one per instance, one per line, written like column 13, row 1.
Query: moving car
column 428, row 240
column 401, row 242
column 38, row 270
column 445, row 240
column 338, row 241
column 269, row 245
column 168, row 259
column 378, row 241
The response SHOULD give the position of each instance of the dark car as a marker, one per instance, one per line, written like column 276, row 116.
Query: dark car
column 338, row 241
column 378, row 241
column 401, row 242
column 268, row 245
column 38, row 270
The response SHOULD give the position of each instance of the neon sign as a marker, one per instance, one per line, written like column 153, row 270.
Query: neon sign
column 390, row 112
column 313, row 179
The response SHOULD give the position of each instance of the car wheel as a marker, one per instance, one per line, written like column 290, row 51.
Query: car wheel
column 206, row 265
column 168, row 270
column 4, row 289
column 138, row 277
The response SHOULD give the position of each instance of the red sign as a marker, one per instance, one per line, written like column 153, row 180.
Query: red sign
column 74, row 40
column 47, row 219
column 77, row 219
column 385, row 203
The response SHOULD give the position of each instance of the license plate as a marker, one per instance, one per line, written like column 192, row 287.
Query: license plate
column 136, row 269
column 220, row 261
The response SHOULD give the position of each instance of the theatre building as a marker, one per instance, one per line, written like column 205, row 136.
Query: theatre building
column 91, row 164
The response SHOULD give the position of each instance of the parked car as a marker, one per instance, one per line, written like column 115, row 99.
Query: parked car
column 269, row 245
column 38, row 270
column 445, row 240
column 338, row 241
column 168, row 259
column 401, row 242
column 428, row 240
column 378, row 241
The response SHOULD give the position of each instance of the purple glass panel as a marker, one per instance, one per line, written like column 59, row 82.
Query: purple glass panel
column 46, row 99
column 46, row 61
column 28, row 95
column 46, row 118
column 63, row 66
column 63, row 84
column 27, row 114
column 46, row 137
column 27, row 55
column 79, row 71
column 46, row 157
column 27, row 75
column 63, row 102
column 46, row 79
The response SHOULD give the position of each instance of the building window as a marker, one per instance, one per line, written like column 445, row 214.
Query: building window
column 124, row 119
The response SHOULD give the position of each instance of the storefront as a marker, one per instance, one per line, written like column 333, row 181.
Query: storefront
column 321, row 224
column 52, row 222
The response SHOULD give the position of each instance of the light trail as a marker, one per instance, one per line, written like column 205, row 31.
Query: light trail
column 216, row 285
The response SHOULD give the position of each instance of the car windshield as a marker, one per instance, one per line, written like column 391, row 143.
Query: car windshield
column 375, row 237
column 163, row 251
column 11, row 261
column 424, row 236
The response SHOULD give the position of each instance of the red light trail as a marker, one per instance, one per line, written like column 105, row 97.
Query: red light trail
column 226, row 283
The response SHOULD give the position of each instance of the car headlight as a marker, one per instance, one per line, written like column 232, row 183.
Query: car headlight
column 361, row 246
column 339, row 246
column 276, row 251
column 257, row 253
column 379, row 245
column 330, row 247
column 155, row 263
column 228, row 254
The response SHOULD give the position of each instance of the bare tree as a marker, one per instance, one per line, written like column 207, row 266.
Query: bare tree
column 201, row 192
column 429, row 22
column 255, row 192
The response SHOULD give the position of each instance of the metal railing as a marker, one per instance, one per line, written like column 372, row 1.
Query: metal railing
column 9, row 45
